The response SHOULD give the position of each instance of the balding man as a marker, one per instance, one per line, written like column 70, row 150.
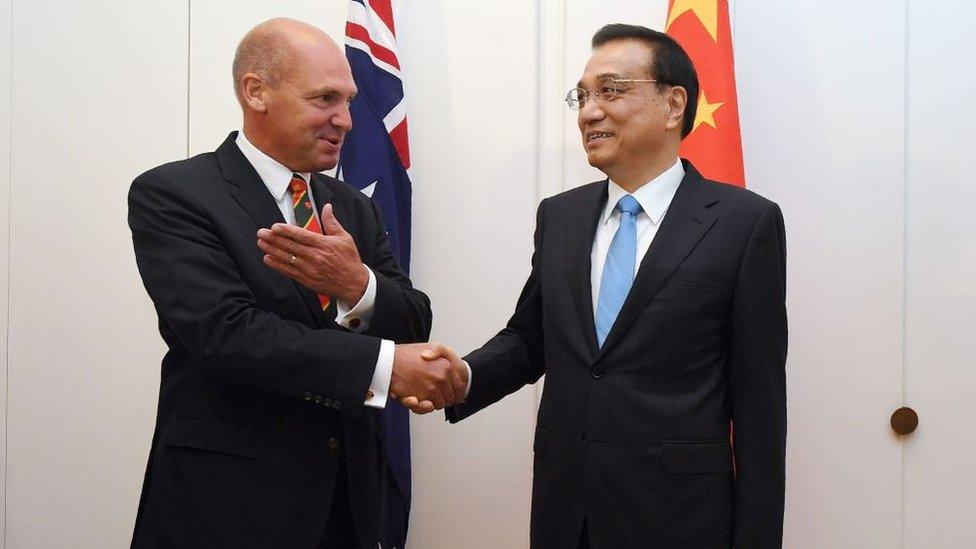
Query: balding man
column 265, row 433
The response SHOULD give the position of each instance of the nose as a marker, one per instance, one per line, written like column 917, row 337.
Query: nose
column 343, row 118
column 591, row 111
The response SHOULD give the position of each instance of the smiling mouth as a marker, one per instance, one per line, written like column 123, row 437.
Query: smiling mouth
column 332, row 141
column 598, row 137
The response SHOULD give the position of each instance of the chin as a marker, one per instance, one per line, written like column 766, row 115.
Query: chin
column 596, row 161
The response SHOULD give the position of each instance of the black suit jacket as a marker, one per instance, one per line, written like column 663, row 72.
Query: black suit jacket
column 261, row 391
column 633, row 437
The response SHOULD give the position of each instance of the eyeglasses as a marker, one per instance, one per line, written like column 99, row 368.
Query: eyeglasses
column 607, row 90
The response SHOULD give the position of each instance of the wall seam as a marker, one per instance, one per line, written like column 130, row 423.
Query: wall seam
column 189, row 37
column 6, row 360
column 550, row 59
column 905, row 265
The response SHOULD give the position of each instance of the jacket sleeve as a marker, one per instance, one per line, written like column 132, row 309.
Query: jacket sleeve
column 207, row 307
column 515, row 356
column 401, row 312
column 757, row 385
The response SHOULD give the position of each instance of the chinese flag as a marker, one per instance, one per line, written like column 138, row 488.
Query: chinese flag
column 714, row 145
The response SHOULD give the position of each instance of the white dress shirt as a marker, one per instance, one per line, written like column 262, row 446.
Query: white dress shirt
column 655, row 198
column 278, row 179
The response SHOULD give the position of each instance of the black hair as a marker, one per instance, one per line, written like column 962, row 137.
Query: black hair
column 669, row 64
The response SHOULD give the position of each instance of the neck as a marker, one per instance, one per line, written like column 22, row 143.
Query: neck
column 262, row 143
column 632, row 180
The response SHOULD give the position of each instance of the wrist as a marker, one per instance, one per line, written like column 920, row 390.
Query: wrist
column 358, row 289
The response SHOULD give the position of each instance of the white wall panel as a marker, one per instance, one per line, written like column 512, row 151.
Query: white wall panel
column 821, row 98
column 99, row 96
column 940, row 383
column 5, row 86
column 471, row 84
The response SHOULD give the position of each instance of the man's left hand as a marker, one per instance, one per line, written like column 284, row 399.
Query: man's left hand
column 329, row 264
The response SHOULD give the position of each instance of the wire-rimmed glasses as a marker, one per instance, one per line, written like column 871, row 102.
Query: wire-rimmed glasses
column 607, row 90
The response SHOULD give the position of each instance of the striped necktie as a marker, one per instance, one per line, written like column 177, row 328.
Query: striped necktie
column 305, row 214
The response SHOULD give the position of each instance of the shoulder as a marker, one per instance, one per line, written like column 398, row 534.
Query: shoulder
column 740, row 202
column 180, row 172
column 572, row 198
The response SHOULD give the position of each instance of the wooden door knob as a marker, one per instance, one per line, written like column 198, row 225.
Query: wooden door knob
column 904, row 421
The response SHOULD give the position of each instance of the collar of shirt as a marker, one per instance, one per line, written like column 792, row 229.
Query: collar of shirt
column 654, row 196
column 274, row 174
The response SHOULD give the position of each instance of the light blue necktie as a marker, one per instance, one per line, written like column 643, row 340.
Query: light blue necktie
column 618, row 271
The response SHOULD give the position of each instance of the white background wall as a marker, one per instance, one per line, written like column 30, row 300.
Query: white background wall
column 853, row 116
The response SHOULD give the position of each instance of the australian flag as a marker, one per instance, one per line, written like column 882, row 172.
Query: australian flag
column 375, row 158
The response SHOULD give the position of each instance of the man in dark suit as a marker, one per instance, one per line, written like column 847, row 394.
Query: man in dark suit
column 655, row 307
column 265, row 434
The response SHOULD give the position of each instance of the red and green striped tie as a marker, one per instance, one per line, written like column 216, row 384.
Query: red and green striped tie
column 304, row 214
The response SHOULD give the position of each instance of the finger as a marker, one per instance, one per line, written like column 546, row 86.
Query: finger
column 431, row 352
column 330, row 225
column 440, row 350
column 295, row 234
column 285, row 245
column 417, row 406
column 279, row 254
column 284, row 268
column 446, row 388
column 438, row 400
column 460, row 385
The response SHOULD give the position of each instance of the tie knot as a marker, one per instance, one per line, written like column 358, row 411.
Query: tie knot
column 629, row 204
column 298, row 184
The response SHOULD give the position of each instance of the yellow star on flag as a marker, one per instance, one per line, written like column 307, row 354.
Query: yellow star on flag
column 705, row 10
column 705, row 114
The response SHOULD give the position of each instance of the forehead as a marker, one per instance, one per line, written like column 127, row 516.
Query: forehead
column 319, row 65
column 619, row 59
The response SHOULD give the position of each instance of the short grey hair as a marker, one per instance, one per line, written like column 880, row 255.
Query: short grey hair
column 260, row 52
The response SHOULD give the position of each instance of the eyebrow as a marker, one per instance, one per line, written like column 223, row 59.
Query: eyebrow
column 327, row 91
column 602, row 76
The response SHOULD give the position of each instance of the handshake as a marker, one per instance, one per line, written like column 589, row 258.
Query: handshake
column 428, row 377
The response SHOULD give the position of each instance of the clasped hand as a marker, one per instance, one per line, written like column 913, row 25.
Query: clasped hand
column 427, row 377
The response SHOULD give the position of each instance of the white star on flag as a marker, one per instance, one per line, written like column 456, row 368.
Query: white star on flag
column 368, row 190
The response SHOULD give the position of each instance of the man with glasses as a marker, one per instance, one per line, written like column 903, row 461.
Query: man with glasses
column 655, row 307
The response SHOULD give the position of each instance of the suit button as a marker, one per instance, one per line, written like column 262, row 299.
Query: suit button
column 307, row 396
column 318, row 399
column 583, row 438
column 596, row 372
column 334, row 444
column 336, row 405
column 326, row 402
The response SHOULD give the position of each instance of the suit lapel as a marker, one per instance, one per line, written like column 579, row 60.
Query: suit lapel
column 253, row 196
column 580, row 233
column 686, row 222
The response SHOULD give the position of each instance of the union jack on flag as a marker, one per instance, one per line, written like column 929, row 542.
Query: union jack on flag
column 375, row 157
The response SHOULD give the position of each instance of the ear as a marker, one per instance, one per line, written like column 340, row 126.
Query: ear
column 254, row 92
column 677, row 103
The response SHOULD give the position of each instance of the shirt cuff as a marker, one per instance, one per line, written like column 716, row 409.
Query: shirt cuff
column 357, row 318
column 467, row 390
column 379, row 387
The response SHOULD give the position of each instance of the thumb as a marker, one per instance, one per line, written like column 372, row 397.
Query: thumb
column 330, row 225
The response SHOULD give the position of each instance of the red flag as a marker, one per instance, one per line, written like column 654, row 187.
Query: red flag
column 714, row 145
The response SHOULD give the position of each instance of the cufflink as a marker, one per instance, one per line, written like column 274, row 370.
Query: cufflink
column 354, row 322
column 370, row 395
